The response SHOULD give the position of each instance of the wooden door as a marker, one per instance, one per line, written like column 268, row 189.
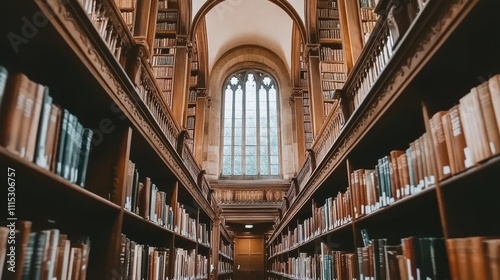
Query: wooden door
column 249, row 261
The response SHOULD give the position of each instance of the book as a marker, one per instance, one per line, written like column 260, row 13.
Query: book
column 492, row 248
column 390, row 257
column 53, row 130
column 24, row 248
column 488, row 114
column 474, row 126
column 41, row 157
column 13, row 110
column 439, row 145
column 34, row 121
column 4, row 233
column 83, row 159
column 460, row 149
column 494, row 89
column 4, row 74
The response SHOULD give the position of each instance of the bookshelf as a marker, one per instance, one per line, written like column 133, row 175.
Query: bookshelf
column 225, row 267
column 393, row 114
column 163, row 56
column 333, row 65
column 368, row 17
column 107, row 214
column 127, row 10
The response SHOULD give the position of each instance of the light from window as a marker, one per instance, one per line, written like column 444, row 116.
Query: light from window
column 250, row 126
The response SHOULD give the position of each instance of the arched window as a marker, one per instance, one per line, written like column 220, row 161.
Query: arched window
column 250, row 126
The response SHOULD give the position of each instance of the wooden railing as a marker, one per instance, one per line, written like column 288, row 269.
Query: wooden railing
column 250, row 196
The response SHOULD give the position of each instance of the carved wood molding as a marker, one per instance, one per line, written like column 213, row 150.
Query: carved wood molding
column 58, row 11
column 425, row 45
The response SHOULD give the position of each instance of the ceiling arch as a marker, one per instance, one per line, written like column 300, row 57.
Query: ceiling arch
column 232, row 23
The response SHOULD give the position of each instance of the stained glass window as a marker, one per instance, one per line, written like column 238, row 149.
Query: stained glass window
column 250, row 135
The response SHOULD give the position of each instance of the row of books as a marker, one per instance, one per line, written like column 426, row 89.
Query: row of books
column 327, row 4
column 193, row 80
column 372, row 70
column 128, row 4
column 163, row 60
column 164, row 4
column 225, row 267
column 38, row 130
column 193, row 94
column 367, row 3
column 140, row 261
column 331, row 85
column 332, row 67
column 398, row 175
column 333, row 214
column 170, row 16
column 165, row 84
column 226, row 249
column 164, row 42
column 338, row 76
column 329, row 23
column 166, row 26
column 329, row 33
column 469, row 132
column 41, row 254
column 98, row 13
column 143, row 197
column 414, row 258
column 163, row 72
column 328, row 13
column 128, row 18
column 189, row 265
column 368, row 14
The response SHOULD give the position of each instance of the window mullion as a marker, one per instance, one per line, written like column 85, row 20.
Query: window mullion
column 268, row 134
column 233, row 122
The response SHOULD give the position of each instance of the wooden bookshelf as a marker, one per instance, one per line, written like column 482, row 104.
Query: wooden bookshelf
column 389, row 99
column 134, row 133
column 163, row 55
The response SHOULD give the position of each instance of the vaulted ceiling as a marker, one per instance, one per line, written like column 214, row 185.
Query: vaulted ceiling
column 233, row 23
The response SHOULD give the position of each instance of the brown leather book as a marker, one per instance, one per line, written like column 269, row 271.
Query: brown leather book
column 403, row 173
column 448, row 136
column 463, row 252
column 403, row 268
column 394, row 174
column 146, row 199
column 458, row 138
column 492, row 248
column 23, row 229
column 488, row 114
column 392, row 265
column 439, row 145
column 12, row 111
column 408, row 252
column 474, row 128
column 452, row 258
column 34, row 121
column 53, row 136
column 494, row 88
column 478, row 258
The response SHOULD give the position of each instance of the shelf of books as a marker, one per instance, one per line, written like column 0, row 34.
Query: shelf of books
column 192, row 96
column 96, row 189
column 332, row 66
column 163, row 56
column 403, row 192
column 308, row 127
column 368, row 17
column 127, row 11
column 226, row 255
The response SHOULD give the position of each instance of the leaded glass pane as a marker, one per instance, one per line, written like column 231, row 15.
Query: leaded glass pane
column 274, row 150
column 263, row 123
column 251, row 150
column 272, row 94
column 272, row 110
column 263, row 150
column 274, row 141
column 252, row 140
column 237, row 150
column 227, row 150
column 237, row 141
column 227, row 141
column 274, row 170
column 228, row 123
column 264, row 166
column 238, row 123
column 263, row 140
column 251, row 165
column 273, row 122
column 227, row 132
column 238, row 131
column 226, row 165
column 274, row 159
column 237, row 165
